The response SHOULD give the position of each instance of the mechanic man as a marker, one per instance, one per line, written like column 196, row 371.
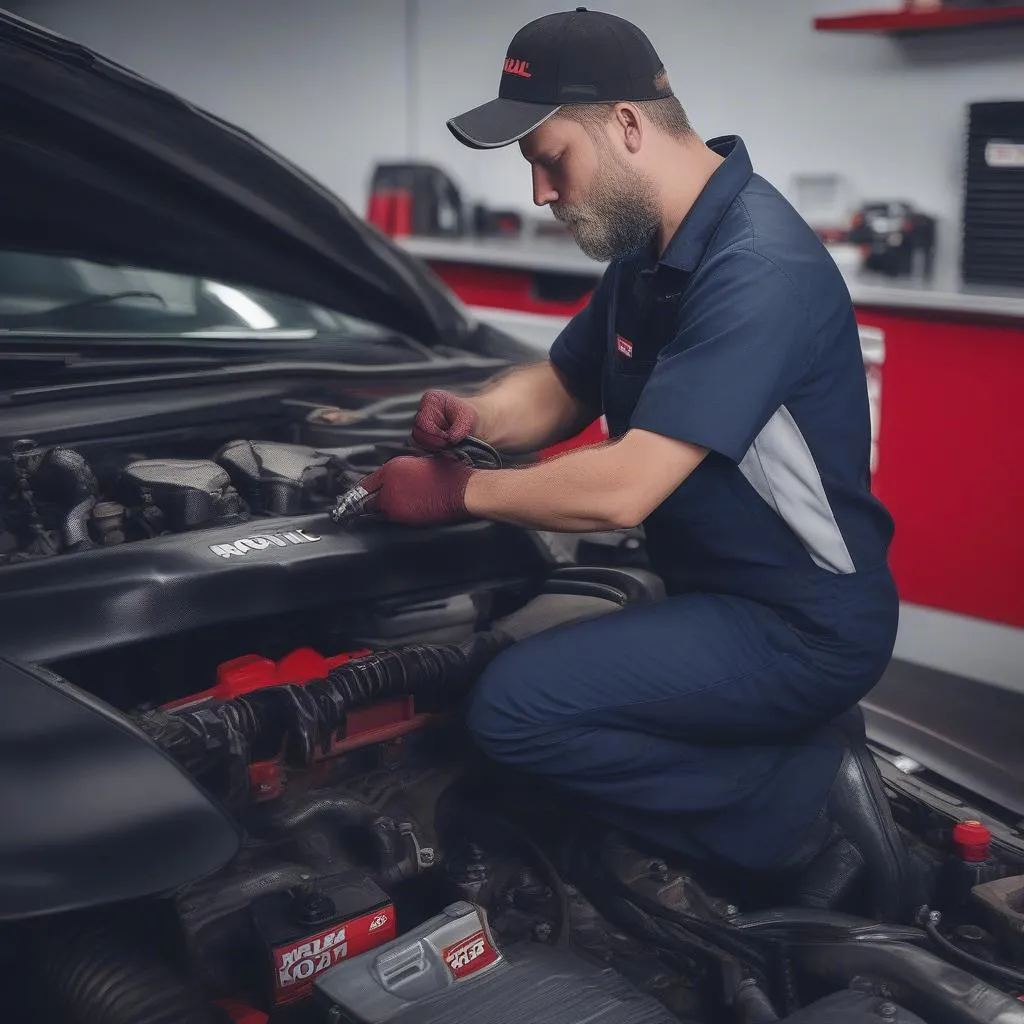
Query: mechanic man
column 722, row 349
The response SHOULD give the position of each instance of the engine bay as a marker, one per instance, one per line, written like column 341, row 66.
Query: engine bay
column 386, row 872
column 310, row 680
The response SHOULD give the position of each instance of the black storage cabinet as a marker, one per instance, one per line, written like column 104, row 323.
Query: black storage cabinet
column 993, row 223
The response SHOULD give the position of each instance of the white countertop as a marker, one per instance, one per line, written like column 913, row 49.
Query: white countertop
column 943, row 294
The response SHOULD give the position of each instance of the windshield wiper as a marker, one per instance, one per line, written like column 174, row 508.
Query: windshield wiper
column 45, row 316
column 104, row 299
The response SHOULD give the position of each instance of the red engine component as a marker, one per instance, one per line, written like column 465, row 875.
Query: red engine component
column 377, row 723
column 971, row 840
column 254, row 672
column 240, row 1013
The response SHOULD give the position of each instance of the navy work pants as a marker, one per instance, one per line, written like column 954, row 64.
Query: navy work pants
column 698, row 722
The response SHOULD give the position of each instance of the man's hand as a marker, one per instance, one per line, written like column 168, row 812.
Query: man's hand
column 419, row 490
column 443, row 420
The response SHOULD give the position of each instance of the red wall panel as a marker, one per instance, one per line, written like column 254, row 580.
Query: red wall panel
column 951, row 462
column 499, row 288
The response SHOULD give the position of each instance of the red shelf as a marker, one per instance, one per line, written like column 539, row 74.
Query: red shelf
column 921, row 21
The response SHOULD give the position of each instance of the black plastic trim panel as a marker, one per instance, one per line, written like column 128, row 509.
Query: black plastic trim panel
column 963, row 730
column 93, row 812
column 82, row 603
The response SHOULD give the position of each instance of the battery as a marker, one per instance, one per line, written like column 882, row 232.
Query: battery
column 450, row 971
column 312, row 928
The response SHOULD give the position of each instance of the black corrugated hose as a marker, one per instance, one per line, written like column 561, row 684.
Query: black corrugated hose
column 98, row 977
column 225, row 737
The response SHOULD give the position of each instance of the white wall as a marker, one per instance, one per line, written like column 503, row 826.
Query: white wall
column 338, row 84
column 323, row 81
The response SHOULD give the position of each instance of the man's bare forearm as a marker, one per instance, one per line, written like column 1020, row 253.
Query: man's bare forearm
column 528, row 409
column 601, row 487
column 581, row 491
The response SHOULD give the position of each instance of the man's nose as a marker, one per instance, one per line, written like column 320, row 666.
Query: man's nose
column 543, row 191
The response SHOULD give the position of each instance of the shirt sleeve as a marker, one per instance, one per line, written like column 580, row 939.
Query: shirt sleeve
column 579, row 350
column 744, row 343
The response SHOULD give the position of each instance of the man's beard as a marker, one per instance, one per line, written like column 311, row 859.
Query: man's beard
column 618, row 216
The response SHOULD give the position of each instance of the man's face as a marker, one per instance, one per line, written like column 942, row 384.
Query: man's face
column 610, row 208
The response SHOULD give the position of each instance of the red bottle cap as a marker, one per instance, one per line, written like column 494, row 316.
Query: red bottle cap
column 971, row 840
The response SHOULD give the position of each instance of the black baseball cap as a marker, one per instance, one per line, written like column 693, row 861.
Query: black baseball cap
column 572, row 57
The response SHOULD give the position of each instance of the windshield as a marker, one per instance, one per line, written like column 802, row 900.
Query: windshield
column 51, row 295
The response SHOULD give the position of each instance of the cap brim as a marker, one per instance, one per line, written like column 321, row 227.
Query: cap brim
column 499, row 122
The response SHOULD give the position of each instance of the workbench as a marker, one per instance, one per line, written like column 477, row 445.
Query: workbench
column 945, row 368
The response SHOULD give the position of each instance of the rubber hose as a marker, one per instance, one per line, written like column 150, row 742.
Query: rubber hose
column 810, row 923
column 205, row 905
column 64, row 475
column 207, row 741
column 542, row 860
column 637, row 923
column 800, row 917
column 76, row 526
column 438, row 675
column 721, row 935
column 916, row 979
column 394, row 863
column 786, row 981
column 607, row 900
column 716, row 934
column 1007, row 975
column 746, row 997
column 98, row 977
column 752, row 1005
column 227, row 736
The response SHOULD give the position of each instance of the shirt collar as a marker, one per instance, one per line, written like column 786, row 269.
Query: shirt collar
column 692, row 237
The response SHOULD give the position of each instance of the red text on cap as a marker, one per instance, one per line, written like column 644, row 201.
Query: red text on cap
column 517, row 67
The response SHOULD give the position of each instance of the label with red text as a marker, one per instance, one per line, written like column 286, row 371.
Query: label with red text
column 470, row 955
column 296, row 965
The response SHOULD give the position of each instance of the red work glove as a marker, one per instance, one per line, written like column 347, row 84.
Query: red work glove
column 419, row 490
column 443, row 419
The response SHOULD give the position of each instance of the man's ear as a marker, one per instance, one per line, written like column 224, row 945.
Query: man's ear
column 628, row 124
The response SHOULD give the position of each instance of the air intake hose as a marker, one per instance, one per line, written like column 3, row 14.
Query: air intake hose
column 222, row 739
column 98, row 977
column 64, row 476
column 916, row 979
column 438, row 675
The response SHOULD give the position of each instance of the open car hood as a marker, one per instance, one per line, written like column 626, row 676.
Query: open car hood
column 99, row 163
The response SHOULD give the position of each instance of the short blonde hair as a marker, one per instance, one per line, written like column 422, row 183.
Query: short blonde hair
column 666, row 114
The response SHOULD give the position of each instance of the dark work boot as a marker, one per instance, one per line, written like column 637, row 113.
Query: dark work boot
column 862, row 840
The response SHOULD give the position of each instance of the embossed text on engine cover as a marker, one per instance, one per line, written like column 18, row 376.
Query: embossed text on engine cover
column 263, row 542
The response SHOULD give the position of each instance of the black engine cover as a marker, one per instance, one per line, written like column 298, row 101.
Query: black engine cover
column 57, row 608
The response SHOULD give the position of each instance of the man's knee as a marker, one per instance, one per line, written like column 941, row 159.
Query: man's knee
column 500, row 718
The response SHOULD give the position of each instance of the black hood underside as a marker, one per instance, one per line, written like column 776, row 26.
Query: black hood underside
column 99, row 163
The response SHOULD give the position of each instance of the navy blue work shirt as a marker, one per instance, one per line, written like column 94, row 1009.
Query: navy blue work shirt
column 741, row 338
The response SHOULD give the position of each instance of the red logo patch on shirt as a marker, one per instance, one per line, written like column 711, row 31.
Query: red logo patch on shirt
column 625, row 347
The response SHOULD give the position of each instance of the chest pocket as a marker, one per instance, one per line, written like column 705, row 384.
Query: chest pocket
column 640, row 324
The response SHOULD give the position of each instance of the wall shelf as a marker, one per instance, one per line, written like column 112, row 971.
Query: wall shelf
column 905, row 22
